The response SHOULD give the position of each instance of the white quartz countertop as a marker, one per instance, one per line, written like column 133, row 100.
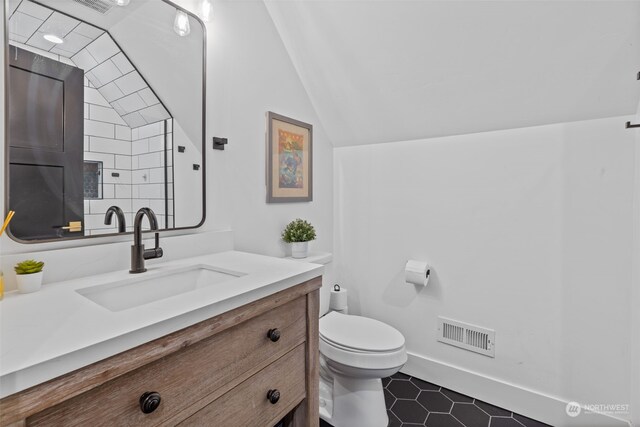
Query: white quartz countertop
column 56, row 330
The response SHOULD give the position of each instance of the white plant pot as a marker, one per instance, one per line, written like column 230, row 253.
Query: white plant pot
column 29, row 282
column 299, row 249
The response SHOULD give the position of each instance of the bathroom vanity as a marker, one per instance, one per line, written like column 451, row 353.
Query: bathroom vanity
column 250, row 359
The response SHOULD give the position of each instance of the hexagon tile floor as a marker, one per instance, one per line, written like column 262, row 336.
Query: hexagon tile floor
column 413, row 402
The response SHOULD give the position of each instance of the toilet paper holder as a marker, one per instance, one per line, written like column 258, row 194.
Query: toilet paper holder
column 417, row 272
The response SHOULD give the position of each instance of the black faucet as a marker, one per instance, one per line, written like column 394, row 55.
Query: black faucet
column 138, row 252
column 122, row 223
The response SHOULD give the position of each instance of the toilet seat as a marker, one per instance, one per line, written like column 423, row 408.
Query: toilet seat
column 361, row 342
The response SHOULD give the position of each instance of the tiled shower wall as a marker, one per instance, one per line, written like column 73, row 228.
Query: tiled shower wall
column 148, row 171
column 107, row 139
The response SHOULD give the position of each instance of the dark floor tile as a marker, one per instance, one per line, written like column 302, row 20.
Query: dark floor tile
column 411, row 424
column 400, row 376
column 442, row 420
column 403, row 389
column 323, row 423
column 389, row 399
column 435, row 401
column 385, row 381
column 456, row 397
column 528, row 422
column 470, row 415
column 492, row 410
column 409, row 411
column 423, row 385
column 394, row 421
column 504, row 422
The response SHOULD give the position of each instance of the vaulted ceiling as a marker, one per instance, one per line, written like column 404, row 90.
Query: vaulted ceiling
column 383, row 71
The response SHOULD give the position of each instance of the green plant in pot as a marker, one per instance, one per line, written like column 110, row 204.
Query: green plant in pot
column 299, row 233
column 29, row 275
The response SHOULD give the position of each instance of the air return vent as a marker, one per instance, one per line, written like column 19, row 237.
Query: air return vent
column 100, row 6
column 469, row 337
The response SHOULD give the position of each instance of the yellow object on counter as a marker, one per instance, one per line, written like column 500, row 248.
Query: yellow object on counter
column 1, row 286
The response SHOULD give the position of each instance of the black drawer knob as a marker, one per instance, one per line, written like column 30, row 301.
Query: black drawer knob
column 149, row 402
column 273, row 396
column 274, row 334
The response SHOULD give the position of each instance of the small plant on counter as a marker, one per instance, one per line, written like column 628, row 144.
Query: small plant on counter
column 298, row 230
column 28, row 267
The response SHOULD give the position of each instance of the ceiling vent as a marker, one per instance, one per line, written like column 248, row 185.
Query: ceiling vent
column 469, row 337
column 100, row 6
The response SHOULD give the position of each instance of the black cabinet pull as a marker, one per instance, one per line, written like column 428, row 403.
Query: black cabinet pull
column 273, row 396
column 274, row 334
column 149, row 401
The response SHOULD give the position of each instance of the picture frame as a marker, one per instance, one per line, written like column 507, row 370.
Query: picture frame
column 289, row 160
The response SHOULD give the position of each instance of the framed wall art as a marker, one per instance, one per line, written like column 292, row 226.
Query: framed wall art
column 289, row 160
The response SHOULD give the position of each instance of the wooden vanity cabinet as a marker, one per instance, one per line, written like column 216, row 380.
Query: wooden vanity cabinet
column 251, row 366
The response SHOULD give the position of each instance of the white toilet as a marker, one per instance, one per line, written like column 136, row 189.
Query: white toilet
column 355, row 353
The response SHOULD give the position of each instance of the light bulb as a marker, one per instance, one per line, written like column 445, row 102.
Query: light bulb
column 181, row 24
column 205, row 10
column 122, row 2
column 53, row 38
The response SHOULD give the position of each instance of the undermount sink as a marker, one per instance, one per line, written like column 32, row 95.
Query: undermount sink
column 154, row 286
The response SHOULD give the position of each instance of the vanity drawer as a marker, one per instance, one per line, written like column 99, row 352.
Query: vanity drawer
column 248, row 403
column 189, row 379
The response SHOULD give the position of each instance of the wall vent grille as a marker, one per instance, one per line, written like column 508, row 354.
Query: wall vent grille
column 100, row 6
column 466, row 336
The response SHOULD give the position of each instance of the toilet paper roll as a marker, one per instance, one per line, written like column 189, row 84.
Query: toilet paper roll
column 338, row 299
column 417, row 272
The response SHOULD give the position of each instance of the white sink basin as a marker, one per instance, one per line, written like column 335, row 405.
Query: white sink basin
column 145, row 288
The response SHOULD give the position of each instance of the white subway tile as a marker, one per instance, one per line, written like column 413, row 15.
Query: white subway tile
column 123, row 191
column 151, row 160
column 108, row 191
column 134, row 120
column 154, row 113
column 156, row 143
column 84, row 60
column 141, row 146
column 103, row 48
column 156, row 176
column 108, row 145
column 123, row 162
column 122, row 63
column 124, row 176
column 148, row 97
column 152, row 191
column 106, row 72
column 111, row 92
column 131, row 103
column 93, row 96
column 130, row 83
column 105, row 114
column 103, row 130
column 150, row 130
column 140, row 176
column 88, row 30
column 106, row 159
column 123, row 133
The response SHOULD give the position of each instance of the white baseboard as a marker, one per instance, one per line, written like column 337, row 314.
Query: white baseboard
column 530, row 403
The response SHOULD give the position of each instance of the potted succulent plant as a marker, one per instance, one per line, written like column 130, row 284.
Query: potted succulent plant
column 299, row 233
column 29, row 275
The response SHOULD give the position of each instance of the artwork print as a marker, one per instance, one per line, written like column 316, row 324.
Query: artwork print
column 290, row 157
column 289, row 160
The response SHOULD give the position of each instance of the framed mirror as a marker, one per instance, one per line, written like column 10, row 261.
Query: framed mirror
column 105, row 114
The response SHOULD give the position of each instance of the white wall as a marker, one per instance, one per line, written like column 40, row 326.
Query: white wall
column 250, row 73
column 529, row 233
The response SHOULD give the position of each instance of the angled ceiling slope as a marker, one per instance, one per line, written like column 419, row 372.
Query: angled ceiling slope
column 383, row 71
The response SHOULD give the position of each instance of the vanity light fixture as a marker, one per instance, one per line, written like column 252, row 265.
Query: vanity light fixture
column 181, row 24
column 205, row 10
column 53, row 38
column 122, row 2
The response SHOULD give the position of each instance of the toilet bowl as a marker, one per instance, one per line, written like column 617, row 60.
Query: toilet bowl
column 355, row 353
